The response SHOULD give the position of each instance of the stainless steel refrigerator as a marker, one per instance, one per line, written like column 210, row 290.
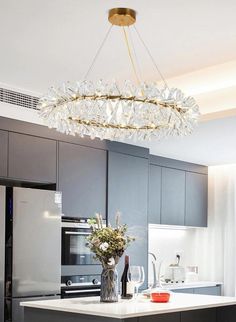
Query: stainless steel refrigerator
column 30, row 248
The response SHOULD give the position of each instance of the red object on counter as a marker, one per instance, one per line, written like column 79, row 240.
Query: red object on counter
column 162, row 297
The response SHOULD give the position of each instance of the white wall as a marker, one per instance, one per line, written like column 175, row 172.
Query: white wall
column 20, row 113
column 165, row 243
column 217, row 245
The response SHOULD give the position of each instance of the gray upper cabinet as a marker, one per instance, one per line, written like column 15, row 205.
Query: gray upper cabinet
column 173, row 197
column 196, row 199
column 3, row 153
column 154, row 195
column 128, row 194
column 32, row 158
column 82, row 180
column 177, row 192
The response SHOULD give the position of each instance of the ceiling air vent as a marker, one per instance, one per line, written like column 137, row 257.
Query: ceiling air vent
column 20, row 99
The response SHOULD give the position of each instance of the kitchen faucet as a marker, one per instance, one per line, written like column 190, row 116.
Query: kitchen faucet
column 154, row 261
column 156, row 280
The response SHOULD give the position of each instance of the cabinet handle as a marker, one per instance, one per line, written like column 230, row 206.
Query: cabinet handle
column 83, row 291
column 76, row 233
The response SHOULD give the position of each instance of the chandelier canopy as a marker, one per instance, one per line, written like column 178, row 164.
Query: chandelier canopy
column 111, row 111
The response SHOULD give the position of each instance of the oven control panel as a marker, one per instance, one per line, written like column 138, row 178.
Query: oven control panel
column 80, row 286
column 80, row 280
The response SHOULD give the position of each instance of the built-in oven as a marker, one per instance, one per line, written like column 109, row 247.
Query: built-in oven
column 74, row 242
column 80, row 286
column 80, row 271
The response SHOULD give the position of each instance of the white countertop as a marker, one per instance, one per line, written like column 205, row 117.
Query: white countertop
column 131, row 308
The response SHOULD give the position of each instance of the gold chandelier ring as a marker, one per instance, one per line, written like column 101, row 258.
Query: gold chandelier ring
column 156, row 102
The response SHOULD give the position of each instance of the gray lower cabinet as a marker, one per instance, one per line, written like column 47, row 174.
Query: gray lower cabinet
column 211, row 290
column 168, row 317
column 18, row 311
column 154, row 195
column 3, row 153
column 82, row 177
column 226, row 314
column 173, row 197
column 32, row 158
column 196, row 199
column 127, row 193
column 219, row 314
column 206, row 315
column 184, row 290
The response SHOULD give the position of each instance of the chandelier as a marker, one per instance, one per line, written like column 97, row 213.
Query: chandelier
column 108, row 110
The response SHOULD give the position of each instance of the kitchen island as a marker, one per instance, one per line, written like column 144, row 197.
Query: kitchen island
column 181, row 308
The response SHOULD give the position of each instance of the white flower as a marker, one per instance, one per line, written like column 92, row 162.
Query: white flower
column 111, row 261
column 104, row 246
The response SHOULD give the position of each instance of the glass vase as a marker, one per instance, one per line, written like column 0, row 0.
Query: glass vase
column 109, row 285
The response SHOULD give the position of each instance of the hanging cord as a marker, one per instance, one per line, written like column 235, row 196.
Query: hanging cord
column 98, row 52
column 151, row 57
column 130, row 56
column 135, row 55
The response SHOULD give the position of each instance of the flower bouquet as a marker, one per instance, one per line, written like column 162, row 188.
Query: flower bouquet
column 108, row 245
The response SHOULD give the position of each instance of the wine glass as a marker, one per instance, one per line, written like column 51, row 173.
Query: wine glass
column 136, row 276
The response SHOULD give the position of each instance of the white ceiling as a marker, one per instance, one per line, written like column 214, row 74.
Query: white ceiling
column 212, row 143
column 44, row 42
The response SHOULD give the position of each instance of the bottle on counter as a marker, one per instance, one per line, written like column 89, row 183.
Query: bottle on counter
column 127, row 288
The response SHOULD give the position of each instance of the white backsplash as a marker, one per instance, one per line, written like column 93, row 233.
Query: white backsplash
column 165, row 243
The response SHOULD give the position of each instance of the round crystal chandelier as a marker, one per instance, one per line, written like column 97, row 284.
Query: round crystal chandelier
column 108, row 110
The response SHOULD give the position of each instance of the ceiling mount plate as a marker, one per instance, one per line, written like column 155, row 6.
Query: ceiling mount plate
column 122, row 16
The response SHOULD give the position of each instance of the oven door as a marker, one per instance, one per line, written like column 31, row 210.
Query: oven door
column 74, row 247
column 69, row 293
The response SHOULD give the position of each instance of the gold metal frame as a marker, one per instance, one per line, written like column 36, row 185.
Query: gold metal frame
column 120, row 98
column 122, row 16
column 115, row 126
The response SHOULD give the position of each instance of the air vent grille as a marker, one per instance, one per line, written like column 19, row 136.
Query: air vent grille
column 20, row 99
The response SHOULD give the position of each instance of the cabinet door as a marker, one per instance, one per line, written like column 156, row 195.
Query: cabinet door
column 154, row 195
column 18, row 311
column 168, row 317
column 226, row 314
column 213, row 290
column 184, row 290
column 82, row 180
column 32, row 158
column 127, row 193
column 206, row 315
column 173, row 197
column 3, row 153
column 196, row 199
